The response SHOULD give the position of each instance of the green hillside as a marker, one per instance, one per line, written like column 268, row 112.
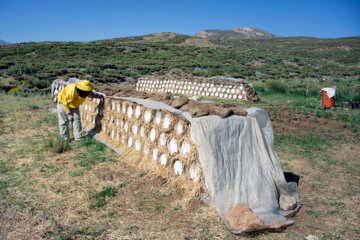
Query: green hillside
column 290, row 61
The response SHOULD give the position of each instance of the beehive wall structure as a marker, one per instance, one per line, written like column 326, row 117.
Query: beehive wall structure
column 231, row 159
column 199, row 87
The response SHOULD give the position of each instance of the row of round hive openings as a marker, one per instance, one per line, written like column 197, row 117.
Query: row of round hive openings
column 135, row 140
column 130, row 131
column 164, row 120
column 192, row 88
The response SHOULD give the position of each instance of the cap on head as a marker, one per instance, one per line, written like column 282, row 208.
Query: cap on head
column 85, row 85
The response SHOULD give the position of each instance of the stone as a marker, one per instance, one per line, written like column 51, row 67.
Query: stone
column 242, row 219
column 287, row 203
column 179, row 102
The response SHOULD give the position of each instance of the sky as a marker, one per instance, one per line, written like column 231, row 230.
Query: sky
column 88, row 20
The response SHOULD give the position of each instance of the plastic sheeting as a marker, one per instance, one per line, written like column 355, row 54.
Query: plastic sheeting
column 331, row 92
column 241, row 167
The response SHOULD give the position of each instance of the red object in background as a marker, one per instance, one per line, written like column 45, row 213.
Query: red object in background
column 326, row 101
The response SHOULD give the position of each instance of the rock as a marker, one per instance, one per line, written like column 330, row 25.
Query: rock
column 179, row 102
column 241, row 218
column 287, row 203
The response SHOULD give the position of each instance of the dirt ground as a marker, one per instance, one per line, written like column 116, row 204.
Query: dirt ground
column 60, row 196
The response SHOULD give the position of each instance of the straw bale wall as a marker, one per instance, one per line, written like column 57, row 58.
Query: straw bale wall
column 159, row 136
column 223, row 88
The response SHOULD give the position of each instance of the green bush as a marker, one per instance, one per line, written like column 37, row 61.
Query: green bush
column 14, row 91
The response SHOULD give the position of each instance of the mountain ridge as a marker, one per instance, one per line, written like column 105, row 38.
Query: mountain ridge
column 236, row 33
column 2, row 42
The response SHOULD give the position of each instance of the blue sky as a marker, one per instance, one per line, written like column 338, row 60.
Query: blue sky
column 80, row 20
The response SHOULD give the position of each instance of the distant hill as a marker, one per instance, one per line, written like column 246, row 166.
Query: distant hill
column 2, row 42
column 120, row 61
column 236, row 33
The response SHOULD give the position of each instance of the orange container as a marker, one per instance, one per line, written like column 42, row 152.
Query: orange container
column 326, row 101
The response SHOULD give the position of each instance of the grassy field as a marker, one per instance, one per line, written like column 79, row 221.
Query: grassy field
column 50, row 190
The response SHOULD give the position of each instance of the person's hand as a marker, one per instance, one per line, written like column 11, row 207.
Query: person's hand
column 96, row 95
column 68, row 114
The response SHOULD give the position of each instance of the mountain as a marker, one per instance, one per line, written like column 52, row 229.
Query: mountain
column 2, row 42
column 236, row 33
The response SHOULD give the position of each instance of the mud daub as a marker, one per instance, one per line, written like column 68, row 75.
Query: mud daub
column 195, row 108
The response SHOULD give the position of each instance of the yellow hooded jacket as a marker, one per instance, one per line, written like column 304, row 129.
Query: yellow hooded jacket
column 70, row 98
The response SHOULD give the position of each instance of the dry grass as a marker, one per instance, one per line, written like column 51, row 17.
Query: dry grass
column 90, row 192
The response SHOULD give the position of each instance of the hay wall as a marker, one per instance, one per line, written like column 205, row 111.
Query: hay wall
column 198, row 87
column 157, row 139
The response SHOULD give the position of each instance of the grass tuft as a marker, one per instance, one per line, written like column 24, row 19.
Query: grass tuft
column 56, row 144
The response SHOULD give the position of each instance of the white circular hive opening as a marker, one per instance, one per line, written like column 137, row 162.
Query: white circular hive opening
column 207, row 93
column 126, row 127
column 158, row 117
column 179, row 127
column 212, row 94
column 130, row 142
column 185, row 148
column 113, row 105
column 152, row 134
column 178, row 168
column 112, row 133
column 166, row 121
column 118, row 108
column 137, row 145
column 117, row 122
column 134, row 128
column 216, row 94
column 130, row 112
column 232, row 90
column 163, row 159
column 172, row 146
column 155, row 154
column 142, row 131
column 121, row 123
column 146, row 150
column 124, row 108
column 147, row 115
column 234, row 96
column 194, row 172
column 162, row 140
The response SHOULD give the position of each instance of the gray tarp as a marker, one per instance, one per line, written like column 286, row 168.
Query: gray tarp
column 240, row 165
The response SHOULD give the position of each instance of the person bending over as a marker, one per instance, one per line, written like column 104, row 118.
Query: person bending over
column 69, row 101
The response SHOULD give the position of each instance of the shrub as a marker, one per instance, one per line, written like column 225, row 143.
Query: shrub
column 14, row 91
